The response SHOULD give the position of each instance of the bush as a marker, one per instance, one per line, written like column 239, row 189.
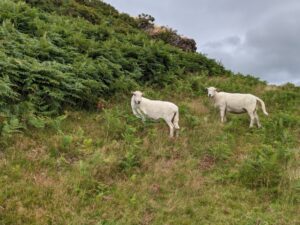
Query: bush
column 115, row 127
column 265, row 168
column 222, row 149
column 145, row 21
column 57, row 54
column 277, row 129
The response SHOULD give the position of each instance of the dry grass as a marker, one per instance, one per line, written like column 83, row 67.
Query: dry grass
column 85, row 175
column 197, row 106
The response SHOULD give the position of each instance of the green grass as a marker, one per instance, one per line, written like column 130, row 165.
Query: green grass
column 69, row 53
column 61, row 162
column 109, row 168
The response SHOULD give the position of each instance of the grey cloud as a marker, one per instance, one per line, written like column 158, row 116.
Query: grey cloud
column 232, row 41
column 270, row 50
column 253, row 37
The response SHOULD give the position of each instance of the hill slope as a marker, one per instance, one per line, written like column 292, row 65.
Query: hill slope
column 60, row 53
column 84, row 167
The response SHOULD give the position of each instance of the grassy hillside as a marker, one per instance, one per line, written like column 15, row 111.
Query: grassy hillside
column 110, row 168
column 63, row 162
column 59, row 53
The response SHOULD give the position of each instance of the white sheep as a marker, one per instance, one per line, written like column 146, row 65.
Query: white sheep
column 154, row 109
column 237, row 103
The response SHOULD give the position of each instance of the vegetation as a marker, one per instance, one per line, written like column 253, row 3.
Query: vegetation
column 73, row 53
column 168, row 35
column 63, row 162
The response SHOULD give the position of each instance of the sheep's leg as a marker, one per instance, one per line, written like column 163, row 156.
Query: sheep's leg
column 257, row 119
column 175, row 121
column 252, row 117
column 225, row 118
column 141, row 114
column 171, row 126
column 222, row 114
column 176, row 130
column 143, row 119
column 136, row 113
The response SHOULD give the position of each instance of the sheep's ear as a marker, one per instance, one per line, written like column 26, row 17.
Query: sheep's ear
column 133, row 92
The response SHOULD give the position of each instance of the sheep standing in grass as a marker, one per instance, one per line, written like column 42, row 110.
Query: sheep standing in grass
column 237, row 103
column 154, row 109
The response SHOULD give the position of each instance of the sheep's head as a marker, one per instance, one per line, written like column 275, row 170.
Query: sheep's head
column 137, row 96
column 211, row 91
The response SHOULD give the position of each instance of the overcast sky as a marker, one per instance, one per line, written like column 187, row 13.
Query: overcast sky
column 258, row 37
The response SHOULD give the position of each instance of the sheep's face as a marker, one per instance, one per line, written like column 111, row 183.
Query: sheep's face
column 211, row 91
column 137, row 96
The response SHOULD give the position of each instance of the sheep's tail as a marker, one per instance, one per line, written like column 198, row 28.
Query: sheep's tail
column 175, row 120
column 262, row 105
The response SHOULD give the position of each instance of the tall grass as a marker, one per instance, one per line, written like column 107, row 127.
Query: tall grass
column 111, row 168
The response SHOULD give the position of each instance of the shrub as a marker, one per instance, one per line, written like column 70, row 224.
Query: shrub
column 277, row 129
column 57, row 54
column 264, row 168
column 145, row 21
column 115, row 127
column 221, row 151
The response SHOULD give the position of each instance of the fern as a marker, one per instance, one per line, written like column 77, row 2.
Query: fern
column 11, row 126
column 53, row 57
